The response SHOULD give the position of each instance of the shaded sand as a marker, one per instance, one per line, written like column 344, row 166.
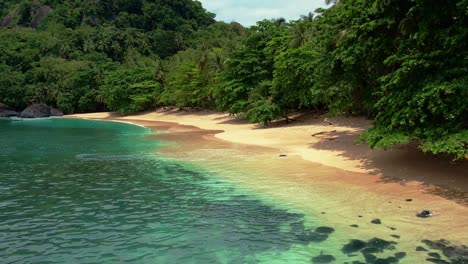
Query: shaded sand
column 339, row 185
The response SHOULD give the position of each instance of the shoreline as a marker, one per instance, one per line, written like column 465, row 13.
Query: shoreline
column 327, row 141
column 343, row 194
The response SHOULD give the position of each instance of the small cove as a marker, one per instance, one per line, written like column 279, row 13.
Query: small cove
column 106, row 192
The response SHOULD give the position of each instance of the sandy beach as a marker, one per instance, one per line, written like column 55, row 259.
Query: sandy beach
column 324, row 173
column 328, row 141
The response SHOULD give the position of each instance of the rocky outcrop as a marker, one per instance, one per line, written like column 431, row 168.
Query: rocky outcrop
column 8, row 113
column 39, row 15
column 36, row 110
column 55, row 112
column 6, row 21
column 40, row 110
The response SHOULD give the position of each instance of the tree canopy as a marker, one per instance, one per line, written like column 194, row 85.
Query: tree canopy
column 404, row 63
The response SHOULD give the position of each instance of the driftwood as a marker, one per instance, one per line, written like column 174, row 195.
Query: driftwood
column 322, row 132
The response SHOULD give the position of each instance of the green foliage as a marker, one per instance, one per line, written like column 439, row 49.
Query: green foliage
column 402, row 62
column 130, row 90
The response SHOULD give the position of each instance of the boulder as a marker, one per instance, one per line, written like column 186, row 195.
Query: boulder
column 55, row 112
column 7, row 113
column 35, row 111
column 40, row 15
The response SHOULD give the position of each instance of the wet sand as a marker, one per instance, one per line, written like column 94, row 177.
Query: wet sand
column 325, row 174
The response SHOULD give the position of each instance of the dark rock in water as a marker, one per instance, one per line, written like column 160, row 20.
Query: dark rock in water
column 369, row 250
column 308, row 237
column 353, row 246
column 437, row 245
column 400, row 255
column 456, row 253
column 323, row 259
column 376, row 221
column 437, row 261
column 360, row 216
column 370, row 258
column 381, row 244
column 356, row 226
column 424, row 214
column 419, row 248
column 409, row 200
column 395, row 236
column 55, row 112
column 8, row 113
column 435, row 255
column 324, row 230
column 35, row 111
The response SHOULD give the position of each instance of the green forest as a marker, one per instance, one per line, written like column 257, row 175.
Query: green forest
column 403, row 63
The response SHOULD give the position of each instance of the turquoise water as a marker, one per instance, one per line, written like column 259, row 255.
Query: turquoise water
column 76, row 191
column 80, row 191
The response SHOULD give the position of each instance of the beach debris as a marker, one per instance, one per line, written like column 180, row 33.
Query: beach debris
column 355, row 226
column 376, row 221
column 282, row 155
column 409, row 200
column 323, row 132
column 424, row 214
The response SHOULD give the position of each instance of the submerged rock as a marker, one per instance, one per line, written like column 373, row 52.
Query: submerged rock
column 437, row 261
column 323, row 259
column 400, row 255
column 376, row 221
column 324, row 230
column 381, row 244
column 370, row 258
column 419, row 248
column 353, row 246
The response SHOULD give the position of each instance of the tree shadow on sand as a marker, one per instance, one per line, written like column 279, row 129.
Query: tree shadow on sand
column 401, row 164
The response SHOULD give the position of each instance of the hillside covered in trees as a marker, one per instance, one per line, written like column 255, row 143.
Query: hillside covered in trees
column 403, row 62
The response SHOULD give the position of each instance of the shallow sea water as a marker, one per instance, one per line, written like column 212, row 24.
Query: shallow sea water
column 81, row 191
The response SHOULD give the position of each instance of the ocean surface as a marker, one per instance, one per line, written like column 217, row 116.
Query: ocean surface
column 81, row 191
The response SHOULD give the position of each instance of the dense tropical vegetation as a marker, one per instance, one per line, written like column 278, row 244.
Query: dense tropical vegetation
column 403, row 62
